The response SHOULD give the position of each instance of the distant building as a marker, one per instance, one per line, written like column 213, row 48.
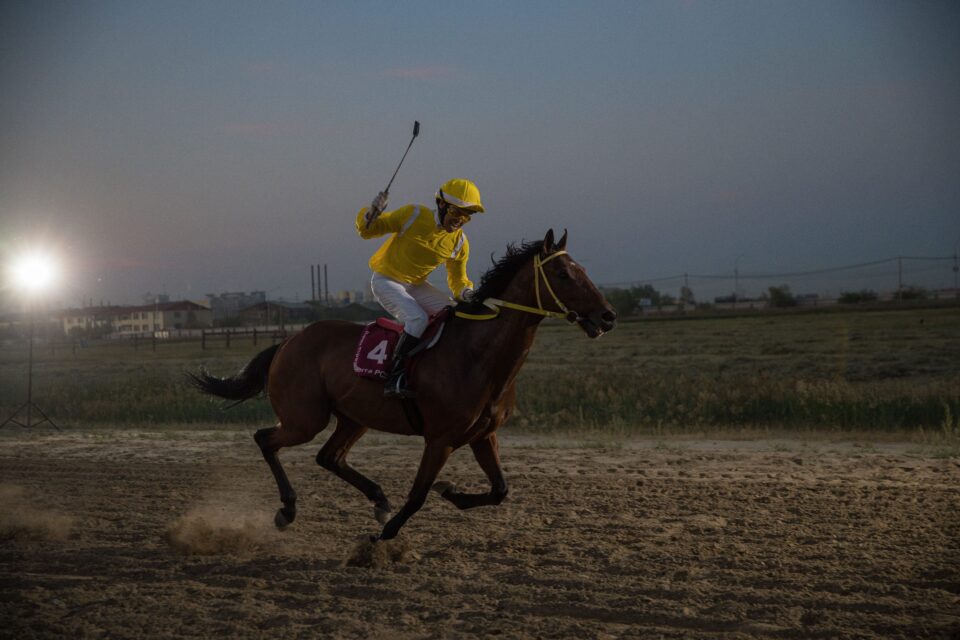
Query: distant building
column 163, row 316
column 277, row 312
column 945, row 294
column 140, row 320
column 229, row 305
column 350, row 297
column 727, row 303
column 89, row 319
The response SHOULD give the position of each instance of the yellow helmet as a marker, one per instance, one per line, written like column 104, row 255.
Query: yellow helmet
column 461, row 193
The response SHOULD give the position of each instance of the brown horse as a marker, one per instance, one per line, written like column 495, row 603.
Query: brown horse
column 465, row 385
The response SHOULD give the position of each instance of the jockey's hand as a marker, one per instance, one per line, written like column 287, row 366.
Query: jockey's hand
column 377, row 206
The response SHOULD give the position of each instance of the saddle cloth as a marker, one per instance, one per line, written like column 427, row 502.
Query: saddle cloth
column 374, row 353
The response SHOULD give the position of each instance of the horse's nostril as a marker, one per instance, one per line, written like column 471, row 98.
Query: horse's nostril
column 609, row 316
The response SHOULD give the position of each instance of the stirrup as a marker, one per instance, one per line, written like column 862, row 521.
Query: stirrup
column 395, row 387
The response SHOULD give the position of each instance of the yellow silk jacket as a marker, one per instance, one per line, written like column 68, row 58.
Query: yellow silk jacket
column 417, row 247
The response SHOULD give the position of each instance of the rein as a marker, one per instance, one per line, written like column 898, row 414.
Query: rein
column 495, row 304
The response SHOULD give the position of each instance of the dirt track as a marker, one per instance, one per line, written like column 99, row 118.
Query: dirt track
column 170, row 535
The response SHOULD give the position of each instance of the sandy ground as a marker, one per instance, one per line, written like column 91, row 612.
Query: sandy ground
column 169, row 534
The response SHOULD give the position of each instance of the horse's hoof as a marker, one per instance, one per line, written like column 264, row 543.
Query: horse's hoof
column 282, row 519
column 382, row 515
column 373, row 538
column 442, row 487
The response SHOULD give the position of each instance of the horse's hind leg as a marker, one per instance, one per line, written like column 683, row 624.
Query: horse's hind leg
column 333, row 456
column 272, row 440
column 487, row 453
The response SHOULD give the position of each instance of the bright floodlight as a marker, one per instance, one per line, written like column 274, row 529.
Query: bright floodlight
column 33, row 272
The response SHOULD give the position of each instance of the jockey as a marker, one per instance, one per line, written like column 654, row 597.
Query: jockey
column 420, row 239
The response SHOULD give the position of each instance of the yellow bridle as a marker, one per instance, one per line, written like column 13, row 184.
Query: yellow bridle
column 495, row 303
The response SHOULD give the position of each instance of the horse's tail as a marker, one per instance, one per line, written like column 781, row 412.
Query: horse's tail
column 250, row 381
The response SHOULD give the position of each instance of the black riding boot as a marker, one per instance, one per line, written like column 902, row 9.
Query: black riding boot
column 396, row 384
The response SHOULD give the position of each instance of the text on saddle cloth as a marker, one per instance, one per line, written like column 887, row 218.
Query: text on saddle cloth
column 374, row 353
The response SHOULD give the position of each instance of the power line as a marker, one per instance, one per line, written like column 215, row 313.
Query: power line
column 767, row 276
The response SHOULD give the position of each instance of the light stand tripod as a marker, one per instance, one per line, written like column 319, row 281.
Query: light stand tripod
column 29, row 405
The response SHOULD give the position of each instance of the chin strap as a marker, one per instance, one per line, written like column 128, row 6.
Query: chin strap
column 495, row 304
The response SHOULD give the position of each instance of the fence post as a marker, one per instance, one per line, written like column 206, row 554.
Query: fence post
column 228, row 338
column 203, row 339
column 154, row 341
column 254, row 336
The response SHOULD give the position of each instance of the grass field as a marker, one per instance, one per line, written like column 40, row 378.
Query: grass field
column 875, row 371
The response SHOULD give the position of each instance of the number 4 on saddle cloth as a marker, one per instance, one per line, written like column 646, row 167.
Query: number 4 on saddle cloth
column 375, row 349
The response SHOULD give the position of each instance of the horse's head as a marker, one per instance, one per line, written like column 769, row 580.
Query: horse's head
column 571, row 290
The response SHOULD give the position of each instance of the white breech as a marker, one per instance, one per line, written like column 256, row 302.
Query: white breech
column 411, row 304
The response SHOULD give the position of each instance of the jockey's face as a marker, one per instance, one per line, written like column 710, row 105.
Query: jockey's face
column 454, row 218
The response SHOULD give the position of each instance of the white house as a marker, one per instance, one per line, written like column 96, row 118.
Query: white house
column 140, row 320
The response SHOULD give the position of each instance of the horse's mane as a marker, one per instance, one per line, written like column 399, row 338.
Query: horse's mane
column 495, row 280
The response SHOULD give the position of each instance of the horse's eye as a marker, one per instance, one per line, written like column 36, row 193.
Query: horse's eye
column 565, row 275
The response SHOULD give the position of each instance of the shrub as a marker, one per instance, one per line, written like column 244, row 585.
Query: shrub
column 781, row 297
column 912, row 293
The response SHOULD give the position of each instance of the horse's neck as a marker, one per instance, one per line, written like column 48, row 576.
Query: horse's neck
column 506, row 340
column 493, row 352
column 501, row 346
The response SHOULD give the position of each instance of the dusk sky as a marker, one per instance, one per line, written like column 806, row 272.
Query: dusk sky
column 195, row 147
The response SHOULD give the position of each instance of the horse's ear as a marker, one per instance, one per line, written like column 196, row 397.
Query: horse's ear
column 562, row 245
column 548, row 243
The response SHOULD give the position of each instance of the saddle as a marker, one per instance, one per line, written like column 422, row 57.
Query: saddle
column 375, row 348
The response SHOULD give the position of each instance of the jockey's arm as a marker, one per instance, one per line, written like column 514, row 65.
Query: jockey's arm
column 389, row 222
column 457, row 278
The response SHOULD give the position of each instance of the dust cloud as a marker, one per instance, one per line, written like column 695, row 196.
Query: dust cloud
column 211, row 530
column 382, row 553
column 21, row 520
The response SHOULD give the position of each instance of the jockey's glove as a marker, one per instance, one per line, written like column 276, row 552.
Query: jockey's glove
column 377, row 206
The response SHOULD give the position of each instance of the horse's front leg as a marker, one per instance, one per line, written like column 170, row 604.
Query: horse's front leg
column 435, row 455
column 487, row 453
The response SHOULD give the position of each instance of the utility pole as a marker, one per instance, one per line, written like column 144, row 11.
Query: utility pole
column 313, row 285
column 29, row 405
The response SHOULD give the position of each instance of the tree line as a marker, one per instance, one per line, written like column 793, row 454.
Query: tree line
column 631, row 301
